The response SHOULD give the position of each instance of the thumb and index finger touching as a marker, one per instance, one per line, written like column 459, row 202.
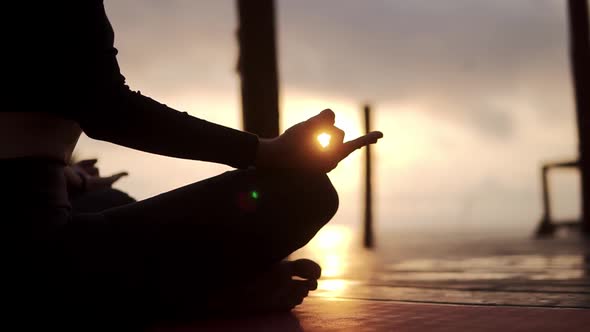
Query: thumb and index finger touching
column 327, row 118
column 88, row 166
column 87, row 162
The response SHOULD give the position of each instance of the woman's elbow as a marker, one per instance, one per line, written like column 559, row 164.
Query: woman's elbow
column 96, row 129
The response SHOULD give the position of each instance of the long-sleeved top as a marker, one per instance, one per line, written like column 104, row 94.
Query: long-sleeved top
column 65, row 57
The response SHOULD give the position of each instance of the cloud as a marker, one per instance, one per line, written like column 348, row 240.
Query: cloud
column 458, row 56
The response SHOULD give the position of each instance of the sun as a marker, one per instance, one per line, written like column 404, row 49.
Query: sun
column 324, row 139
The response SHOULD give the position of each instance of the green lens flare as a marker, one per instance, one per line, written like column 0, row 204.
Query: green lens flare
column 254, row 194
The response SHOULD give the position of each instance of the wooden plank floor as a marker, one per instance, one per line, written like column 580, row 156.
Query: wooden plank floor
column 435, row 283
column 320, row 314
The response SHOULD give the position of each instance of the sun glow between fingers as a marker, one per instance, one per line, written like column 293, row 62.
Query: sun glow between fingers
column 324, row 139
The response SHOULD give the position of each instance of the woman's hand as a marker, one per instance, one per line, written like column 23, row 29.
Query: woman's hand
column 88, row 176
column 298, row 147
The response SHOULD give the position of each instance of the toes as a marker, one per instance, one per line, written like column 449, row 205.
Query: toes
column 299, row 291
column 312, row 284
column 300, row 288
column 273, row 290
column 306, row 268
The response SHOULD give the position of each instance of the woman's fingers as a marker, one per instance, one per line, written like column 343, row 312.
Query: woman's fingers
column 92, row 171
column 315, row 144
column 325, row 117
column 87, row 162
column 350, row 146
column 99, row 183
column 114, row 178
column 88, row 166
column 337, row 135
column 109, row 180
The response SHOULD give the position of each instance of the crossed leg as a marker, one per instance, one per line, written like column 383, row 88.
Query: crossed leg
column 181, row 251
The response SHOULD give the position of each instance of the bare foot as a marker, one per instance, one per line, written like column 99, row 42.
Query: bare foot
column 281, row 288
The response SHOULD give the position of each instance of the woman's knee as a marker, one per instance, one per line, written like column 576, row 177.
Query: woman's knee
column 299, row 199
column 311, row 203
column 321, row 199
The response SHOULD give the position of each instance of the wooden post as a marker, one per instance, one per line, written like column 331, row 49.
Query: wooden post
column 368, row 229
column 580, row 61
column 257, row 66
column 546, row 201
column 546, row 227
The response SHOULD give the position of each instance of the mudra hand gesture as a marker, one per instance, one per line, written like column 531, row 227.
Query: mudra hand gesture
column 85, row 176
column 298, row 147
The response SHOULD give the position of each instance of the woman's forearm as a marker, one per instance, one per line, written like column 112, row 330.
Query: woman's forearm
column 138, row 122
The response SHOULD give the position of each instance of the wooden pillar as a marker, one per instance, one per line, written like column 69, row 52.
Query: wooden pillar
column 580, row 62
column 546, row 201
column 546, row 227
column 369, row 241
column 257, row 66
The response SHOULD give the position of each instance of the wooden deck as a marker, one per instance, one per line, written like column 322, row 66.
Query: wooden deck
column 320, row 314
column 437, row 284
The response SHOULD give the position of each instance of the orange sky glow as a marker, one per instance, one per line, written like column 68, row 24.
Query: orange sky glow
column 466, row 128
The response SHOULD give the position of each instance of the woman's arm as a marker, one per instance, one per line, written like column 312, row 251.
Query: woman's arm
column 114, row 113
column 83, row 177
column 130, row 119
column 119, row 115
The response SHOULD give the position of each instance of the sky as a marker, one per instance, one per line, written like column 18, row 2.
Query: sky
column 472, row 96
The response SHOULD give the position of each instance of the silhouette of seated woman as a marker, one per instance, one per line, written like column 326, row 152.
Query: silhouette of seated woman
column 211, row 246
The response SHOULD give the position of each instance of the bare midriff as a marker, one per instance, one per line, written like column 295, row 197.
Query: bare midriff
column 37, row 134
